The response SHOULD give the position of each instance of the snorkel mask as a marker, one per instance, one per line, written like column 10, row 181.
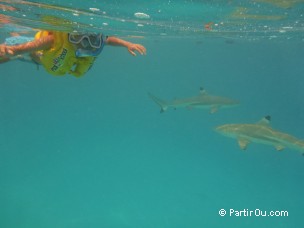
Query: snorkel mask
column 91, row 44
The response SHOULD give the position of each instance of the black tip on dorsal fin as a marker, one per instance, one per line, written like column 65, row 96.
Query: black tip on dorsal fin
column 202, row 90
column 265, row 120
column 268, row 118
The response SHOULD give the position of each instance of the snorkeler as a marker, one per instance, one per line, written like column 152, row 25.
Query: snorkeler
column 63, row 53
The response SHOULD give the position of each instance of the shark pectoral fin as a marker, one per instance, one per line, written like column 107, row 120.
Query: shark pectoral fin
column 213, row 109
column 243, row 143
column 163, row 105
column 279, row 147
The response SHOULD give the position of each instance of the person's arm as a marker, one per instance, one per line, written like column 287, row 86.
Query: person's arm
column 114, row 41
column 28, row 47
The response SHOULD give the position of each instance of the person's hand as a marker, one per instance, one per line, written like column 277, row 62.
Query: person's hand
column 136, row 47
column 5, row 51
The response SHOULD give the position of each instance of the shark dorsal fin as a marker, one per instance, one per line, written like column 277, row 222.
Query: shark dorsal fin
column 202, row 91
column 265, row 121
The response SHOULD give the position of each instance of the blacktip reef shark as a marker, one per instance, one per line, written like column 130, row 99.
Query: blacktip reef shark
column 261, row 132
column 203, row 100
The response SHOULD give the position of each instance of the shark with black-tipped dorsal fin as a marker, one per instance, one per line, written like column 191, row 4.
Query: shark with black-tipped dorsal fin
column 203, row 100
column 261, row 132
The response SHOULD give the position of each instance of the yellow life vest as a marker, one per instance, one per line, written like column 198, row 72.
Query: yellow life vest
column 60, row 59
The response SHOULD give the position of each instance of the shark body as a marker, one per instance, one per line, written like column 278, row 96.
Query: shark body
column 203, row 100
column 261, row 132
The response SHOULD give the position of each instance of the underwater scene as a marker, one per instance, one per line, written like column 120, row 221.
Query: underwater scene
column 203, row 127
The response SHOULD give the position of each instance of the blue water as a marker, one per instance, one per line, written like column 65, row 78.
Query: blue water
column 95, row 151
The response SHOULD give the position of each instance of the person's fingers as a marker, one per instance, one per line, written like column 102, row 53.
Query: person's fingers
column 9, row 51
column 141, row 49
column 138, row 50
column 2, row 51
column 132, row 52
column 137, row 47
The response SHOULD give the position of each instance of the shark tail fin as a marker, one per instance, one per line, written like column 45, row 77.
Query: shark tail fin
column 163, row 104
